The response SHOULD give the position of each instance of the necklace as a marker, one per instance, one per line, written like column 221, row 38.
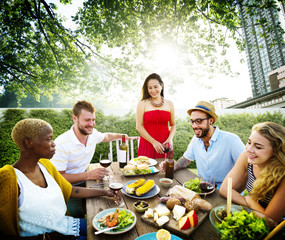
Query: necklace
column 157, row 104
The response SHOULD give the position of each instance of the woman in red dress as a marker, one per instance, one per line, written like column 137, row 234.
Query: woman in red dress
column 155, row 119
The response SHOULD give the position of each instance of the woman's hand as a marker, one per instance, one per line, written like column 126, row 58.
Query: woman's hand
column 158, row 147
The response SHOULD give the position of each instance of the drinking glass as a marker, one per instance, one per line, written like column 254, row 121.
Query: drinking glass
column 105, row 163
column 166, row 149
column 207, row 183
column 115, row 184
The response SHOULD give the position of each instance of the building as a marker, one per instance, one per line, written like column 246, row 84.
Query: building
column 262, row 55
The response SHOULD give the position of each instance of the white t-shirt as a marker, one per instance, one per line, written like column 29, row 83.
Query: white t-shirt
column 43, row 209
column 71, row 155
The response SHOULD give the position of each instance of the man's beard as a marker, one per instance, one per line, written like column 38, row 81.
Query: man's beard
column 204, row 132
column 82, row 131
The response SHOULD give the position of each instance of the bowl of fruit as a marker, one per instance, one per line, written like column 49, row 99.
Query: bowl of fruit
column 242, row 223
column 141, row 206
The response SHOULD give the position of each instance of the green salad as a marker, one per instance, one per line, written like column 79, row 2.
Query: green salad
column 125, row 218
column 243, row 225
column 193, row 185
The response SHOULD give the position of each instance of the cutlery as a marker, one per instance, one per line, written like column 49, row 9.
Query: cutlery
column 105, row 230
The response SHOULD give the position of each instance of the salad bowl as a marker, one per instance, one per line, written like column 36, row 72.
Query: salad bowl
column 244, row 223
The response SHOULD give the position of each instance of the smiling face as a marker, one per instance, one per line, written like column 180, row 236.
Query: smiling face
column 154, row 88
column 43, row 145
column 200, row 130
column 259, row 149
column 85, row 122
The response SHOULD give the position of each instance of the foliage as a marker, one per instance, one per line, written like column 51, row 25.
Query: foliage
column 61, row 121
column 39, row 56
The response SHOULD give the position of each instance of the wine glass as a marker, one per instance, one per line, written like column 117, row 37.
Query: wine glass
column 207, row 183
column 116, row 185
column 166, row 149
column 105, row 163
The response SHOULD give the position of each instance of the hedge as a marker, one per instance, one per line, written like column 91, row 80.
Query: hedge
column 61, row 121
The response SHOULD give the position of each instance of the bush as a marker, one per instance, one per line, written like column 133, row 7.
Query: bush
column 61, row 121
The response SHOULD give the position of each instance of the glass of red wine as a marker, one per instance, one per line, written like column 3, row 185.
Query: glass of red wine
column 105, row 163
column 207, row 183
column 116, row 185
column 166, row 150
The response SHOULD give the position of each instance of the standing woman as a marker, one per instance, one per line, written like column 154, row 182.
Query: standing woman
column 261, row 170
column 155, row 119
column 34, row 194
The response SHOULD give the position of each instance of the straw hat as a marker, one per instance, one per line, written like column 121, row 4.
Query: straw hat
column 205, row 107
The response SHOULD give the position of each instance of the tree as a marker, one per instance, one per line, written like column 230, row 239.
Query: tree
column 39, row 56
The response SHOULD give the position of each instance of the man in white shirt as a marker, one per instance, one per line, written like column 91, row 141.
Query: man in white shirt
column 75, row 148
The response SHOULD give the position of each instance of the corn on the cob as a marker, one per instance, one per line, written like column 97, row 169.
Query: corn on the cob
column 145, row 188
column 131, row 188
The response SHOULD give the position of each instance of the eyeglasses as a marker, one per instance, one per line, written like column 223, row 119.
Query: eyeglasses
column 198, row 121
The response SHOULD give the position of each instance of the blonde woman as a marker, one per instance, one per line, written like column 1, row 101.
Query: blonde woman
column 261, row 170
column 34, row 194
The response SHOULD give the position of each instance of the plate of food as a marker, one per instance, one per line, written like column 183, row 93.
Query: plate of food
column 143, row 160
column 152, row 236
column 201, row 188
column 140, row 189
column 139, row 170
column 123, row 218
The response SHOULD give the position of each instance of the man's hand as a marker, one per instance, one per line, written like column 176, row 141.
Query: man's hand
column 162, row 166
column 97, row 173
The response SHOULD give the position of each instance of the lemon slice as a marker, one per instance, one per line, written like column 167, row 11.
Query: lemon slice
column 163, row 234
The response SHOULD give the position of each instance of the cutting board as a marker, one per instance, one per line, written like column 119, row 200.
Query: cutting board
column 172, row 225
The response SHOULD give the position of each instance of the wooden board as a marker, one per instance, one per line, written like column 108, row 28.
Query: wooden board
column 172, row 225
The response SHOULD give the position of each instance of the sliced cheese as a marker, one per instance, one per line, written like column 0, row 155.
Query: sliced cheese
column 162, row 220
column 155, row 216
column 149, row 212
column 162, row 211
column 178, row 212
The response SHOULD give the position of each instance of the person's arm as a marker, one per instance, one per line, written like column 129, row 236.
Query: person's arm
column 108, row 137
column 239, row 179
column 275, row 208
column 140, row 128
column 180, row 163
column 97, row 173
column 81, row 192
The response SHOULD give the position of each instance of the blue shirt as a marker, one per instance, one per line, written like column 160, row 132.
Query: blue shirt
column 220, row 156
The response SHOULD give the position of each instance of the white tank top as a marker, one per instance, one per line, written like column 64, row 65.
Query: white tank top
column 43, row 209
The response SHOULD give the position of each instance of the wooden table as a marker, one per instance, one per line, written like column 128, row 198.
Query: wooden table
column 96, row 205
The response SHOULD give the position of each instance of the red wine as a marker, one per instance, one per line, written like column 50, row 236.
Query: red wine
column 166, row 149
column 169, row 171
column 116, row 186
column 206, row 187
column 105, row 163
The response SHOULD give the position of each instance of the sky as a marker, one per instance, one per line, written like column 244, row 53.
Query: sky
column 190, row 93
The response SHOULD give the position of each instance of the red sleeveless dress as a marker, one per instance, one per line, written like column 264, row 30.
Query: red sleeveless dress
column 156, row 123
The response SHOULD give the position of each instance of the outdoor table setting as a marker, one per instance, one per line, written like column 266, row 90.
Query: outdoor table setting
column 99, row 206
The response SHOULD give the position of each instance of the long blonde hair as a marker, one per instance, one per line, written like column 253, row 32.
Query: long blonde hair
column 274, row 171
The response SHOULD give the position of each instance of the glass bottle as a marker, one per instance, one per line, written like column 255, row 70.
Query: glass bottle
column 169, row 172
column 122, row 154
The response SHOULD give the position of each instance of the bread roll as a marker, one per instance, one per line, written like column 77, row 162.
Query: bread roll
column 142, row 166
column 129, row 167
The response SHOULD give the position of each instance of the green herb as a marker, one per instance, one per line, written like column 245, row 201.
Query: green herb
column 193, row 185
column 125, row 218
column 243, row 225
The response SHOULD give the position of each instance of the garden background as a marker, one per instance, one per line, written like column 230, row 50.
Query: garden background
column 61, row 121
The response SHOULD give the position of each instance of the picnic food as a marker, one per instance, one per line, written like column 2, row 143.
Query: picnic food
column 172, row 202
column 193, row 218
column 131, row 188
column 193, row 184
column 178, row 212
column 179, row 191
column 163, row 234
column 120, row 217
column 203, row 204
column 141, row 160
column 131, row 169
column 247, row 226
column 184, row 223
column 143, row 166
column 145, row 187
column 190, row 205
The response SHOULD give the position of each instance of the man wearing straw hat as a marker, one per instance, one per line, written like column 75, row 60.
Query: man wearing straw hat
column 215, row 151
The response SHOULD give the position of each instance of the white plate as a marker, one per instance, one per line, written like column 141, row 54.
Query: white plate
column 149, row 194
column 152, row 162
column 202, row 194
column 97, row 226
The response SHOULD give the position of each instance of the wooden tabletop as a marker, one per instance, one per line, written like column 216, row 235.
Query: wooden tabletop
column 98, row 204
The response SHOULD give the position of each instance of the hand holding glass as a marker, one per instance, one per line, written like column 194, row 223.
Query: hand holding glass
column 116, row 185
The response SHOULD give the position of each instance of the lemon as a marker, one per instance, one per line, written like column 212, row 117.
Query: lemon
column 163, row 234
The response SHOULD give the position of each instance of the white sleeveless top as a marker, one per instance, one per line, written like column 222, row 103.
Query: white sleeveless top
column 43, row 209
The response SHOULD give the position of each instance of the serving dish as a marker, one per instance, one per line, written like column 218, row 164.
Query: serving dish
column 166, row 182
column 151, row 162
column 203, row 193
column 152, row 236
column 153, row 170
column 154, row 191
column 97, row 226
column 215, row 219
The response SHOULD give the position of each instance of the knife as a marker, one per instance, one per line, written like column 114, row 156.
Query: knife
column 105, row 230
